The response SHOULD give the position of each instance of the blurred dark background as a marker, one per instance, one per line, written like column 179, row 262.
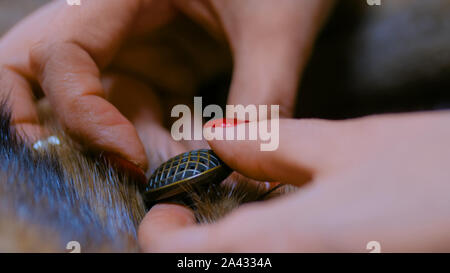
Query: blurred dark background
column 391, row 58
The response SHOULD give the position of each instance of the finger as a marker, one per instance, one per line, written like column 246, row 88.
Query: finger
column 269, row 52
column 172, row 228
column 70, row 79
column 306, row 148
column 160, row 223
column 251, row 228
column 139, row 103
column 16, row 79
column 265, row 74
column 67, row 68
column 16, row 93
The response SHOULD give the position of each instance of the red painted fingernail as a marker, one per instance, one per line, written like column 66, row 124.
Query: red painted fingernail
column 224, row 122
column 131, row 169
column 273, row 184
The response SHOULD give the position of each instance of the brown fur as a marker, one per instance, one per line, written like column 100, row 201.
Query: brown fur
column 111, row 198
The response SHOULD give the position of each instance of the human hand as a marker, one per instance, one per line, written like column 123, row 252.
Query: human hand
column 271, row 42
column 66, row 50
column 381, row 178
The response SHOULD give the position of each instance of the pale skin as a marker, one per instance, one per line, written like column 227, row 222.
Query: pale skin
column 382, row 178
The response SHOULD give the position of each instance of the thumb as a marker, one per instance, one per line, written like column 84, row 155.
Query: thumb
column 305, row 148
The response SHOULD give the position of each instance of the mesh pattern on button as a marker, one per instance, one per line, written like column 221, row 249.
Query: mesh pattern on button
column 182, row 167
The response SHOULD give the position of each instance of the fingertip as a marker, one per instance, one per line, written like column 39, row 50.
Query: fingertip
column 161, row 221
column 130, row 149
column 99, row 125
column 135, row 171
column 235, row 153
column 119, row 144
column 224, row 123
column 169, row 216
column 129, row 146
column 293, row 161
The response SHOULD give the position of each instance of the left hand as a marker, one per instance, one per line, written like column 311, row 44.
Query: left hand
column 383, row 178
column 108, row 73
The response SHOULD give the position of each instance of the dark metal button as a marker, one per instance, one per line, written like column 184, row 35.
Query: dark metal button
column 195, row 168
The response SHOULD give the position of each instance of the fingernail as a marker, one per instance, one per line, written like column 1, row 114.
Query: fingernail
column 130, row 168
column 273, row 184
column 224, row 123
